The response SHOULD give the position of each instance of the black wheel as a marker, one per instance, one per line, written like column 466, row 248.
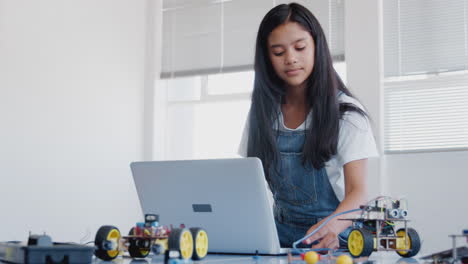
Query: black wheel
column 360, row 243
column 414, row 242
column 107, row 242
column 182, row 241
column 138, row 247
column 200, row 243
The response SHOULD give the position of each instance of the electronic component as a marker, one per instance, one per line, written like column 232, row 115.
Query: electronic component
column 40, row 249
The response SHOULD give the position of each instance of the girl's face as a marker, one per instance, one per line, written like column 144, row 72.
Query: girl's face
column 291, row 50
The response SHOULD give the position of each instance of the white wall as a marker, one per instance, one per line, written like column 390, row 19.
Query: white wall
column 364, row 70
column 72, row 76
column 434, row 183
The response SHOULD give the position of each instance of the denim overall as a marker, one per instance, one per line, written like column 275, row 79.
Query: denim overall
column 303, row 195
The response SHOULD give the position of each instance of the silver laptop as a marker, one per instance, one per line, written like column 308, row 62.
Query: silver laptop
column 227, row 197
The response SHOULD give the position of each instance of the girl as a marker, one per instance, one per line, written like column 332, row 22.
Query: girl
column 311, row 135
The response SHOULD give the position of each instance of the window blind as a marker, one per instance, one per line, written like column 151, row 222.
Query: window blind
column 427, row 115
column 424, row 36
column 426, row 82
column 212, row 36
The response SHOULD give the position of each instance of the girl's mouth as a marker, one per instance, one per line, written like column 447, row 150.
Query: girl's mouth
column 293, row 72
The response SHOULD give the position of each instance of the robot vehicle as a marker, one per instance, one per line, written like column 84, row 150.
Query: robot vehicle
column 151, row 237
column 375, row 230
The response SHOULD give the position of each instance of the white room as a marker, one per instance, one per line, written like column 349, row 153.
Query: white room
column 89, row 86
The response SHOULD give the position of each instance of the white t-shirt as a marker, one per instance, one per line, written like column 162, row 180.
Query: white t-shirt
column 355, row 141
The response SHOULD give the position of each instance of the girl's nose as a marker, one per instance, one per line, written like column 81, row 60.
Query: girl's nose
column 290, row 58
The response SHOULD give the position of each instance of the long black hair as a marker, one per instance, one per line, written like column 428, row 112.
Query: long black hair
column 322, row 87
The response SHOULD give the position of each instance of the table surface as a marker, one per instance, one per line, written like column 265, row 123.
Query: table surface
column 376, row 258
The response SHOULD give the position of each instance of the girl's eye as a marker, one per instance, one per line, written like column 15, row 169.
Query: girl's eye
column 278, row 54
column 301, row 48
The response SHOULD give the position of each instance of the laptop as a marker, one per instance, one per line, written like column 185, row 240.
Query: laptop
column 229, row 198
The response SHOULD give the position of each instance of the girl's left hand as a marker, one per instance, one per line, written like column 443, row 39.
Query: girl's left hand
column 327, row 235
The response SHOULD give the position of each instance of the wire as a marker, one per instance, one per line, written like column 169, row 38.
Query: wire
column 322, row 225
column 315, row 249
column 86, row 236
column 379, row 198
column 342, row 239
column 302, row 250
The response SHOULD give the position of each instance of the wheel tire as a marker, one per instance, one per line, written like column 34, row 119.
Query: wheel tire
column 360, row 243
column 135, row 250
column 104, row 234
column 200, row 243
column 414, row 242
column 181, row 240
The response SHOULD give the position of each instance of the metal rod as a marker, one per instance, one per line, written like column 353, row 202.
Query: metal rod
column 454, row 249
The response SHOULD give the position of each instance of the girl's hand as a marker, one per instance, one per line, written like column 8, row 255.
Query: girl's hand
column 327, row 236
column 355, row 194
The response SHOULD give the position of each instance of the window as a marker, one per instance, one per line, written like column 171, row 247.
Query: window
column 426, row 82
column 199, row 111
column 205, row 115
column 206, row 37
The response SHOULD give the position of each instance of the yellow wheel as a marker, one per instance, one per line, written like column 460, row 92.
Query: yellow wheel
column 181, row 240
column 200, row 243
column 138, row 247
column 360, row 243
column 107, row 242
column 408, row 241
